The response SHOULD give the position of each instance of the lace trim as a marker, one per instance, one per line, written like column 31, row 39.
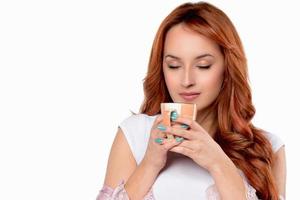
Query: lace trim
column 119, row 193
column 281, row 197
column 213, row 194
column 251, row 192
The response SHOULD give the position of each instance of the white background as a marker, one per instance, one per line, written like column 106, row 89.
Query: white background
column 71, row 71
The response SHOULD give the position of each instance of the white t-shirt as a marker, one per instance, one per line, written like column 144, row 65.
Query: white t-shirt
column 182, row 178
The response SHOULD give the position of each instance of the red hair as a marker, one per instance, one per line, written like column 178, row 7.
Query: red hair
column 245, row 144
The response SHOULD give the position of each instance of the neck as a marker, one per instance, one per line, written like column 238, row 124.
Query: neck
column 208, row 121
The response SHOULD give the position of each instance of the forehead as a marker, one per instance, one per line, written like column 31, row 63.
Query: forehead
column 181, row 40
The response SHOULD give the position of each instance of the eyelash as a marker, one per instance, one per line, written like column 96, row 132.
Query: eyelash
column 201, row 67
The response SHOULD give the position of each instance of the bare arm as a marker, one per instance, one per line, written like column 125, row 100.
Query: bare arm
column 227, row 175
column 141, row 181
column 228, row 181
column 121, row 163
column 279, row 170
column 122, row 166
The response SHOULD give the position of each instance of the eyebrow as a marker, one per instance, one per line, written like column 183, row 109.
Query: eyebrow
column 198, row 57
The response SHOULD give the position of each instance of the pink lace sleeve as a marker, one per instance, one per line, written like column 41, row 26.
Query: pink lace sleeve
column 119, row 193
column 281, row 197
column 213, row 194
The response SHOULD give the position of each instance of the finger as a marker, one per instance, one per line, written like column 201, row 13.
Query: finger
column 170, row 143
column 162, row 142
column 158, row 140
column 161, row 134
column 183, row 151
column 155, row 133
column 158, row 119
column 180, row 132
column 179, row 125
column 189, row 144
column 191, row 123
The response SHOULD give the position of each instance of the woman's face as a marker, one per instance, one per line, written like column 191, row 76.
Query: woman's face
column 192, row 63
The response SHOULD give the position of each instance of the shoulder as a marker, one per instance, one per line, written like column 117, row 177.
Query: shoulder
column 136, row 120
column 279, row 165
column 275, row 140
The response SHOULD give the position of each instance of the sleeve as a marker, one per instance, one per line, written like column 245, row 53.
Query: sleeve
column 275, row 141
column 126, row 126
column 130, row 126
column 135, row 132
column 281, row 197
column 119, row 193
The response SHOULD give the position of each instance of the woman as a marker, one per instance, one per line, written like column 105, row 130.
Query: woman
column 197, row 57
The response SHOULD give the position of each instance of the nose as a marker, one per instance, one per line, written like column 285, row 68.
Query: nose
column 188, row 78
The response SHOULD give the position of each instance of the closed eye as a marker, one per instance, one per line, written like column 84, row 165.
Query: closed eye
column 204, row 66
column 199, row 66
column 173, row 66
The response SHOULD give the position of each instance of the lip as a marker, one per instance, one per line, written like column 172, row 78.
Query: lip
column 189, row 96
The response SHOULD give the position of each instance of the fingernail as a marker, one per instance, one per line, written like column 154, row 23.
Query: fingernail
column 174, row 115
column 161, row 127
column 158, row 140
column 179, row 139
column 184, row 126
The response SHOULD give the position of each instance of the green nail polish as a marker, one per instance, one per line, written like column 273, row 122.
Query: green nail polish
column 179, row 139
column 174, row 115
column 184, row 126
column 161, row 127
column 158, row 140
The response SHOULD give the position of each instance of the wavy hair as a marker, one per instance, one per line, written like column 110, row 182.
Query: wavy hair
column 245, row 144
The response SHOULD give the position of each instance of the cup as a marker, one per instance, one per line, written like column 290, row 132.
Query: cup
column 186, row 110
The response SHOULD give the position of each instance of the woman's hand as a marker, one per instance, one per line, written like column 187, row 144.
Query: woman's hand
column 198, row 145
column 158, row 146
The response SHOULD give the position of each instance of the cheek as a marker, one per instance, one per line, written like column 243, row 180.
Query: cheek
column 170, row 81
column 214, row 82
